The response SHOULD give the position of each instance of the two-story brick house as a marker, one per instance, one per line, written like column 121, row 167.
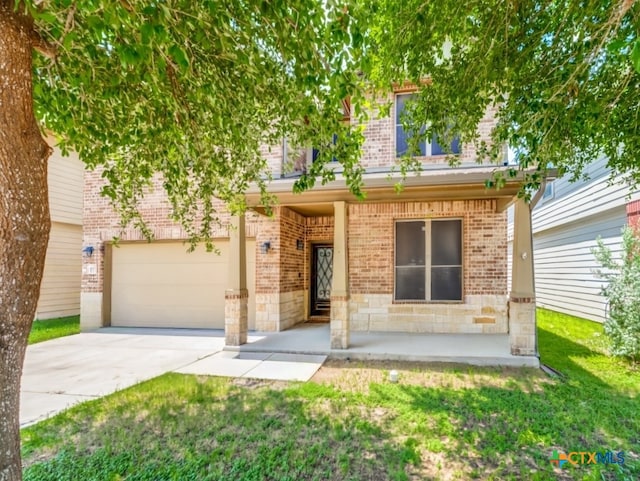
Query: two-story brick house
column 432, row 259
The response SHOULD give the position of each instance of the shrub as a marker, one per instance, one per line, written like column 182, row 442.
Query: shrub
column 622, row 292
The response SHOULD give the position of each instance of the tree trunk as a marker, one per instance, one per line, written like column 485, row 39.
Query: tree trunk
column 24, row 222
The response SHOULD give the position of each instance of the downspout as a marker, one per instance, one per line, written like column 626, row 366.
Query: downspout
column 534, row 201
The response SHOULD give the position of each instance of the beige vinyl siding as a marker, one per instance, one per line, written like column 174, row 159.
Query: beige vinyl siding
column 65, row 177
column 160, row 284
column 60, row 288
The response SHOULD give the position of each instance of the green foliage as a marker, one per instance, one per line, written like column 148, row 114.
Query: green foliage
column 54, row 328
column 622, row 291
column 579, row 349
column 560, row 74
column 191, row 91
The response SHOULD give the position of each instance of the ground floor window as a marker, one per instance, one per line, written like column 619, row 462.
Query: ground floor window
column 428, row 260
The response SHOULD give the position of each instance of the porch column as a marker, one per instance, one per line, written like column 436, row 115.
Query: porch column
column 339, row 283
column 236, row 295
column 522, row 302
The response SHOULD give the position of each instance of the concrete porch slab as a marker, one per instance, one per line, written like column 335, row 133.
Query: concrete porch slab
column 475, row 349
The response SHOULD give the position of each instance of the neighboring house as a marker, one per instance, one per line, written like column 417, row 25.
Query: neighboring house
column 60, row 287
column 432, row 259
column 566, row 223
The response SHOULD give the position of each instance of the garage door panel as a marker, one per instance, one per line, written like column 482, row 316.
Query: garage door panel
column 166, row 296
column 161, row 317
column 162, row 285
column 172, row 253
column 159, row 274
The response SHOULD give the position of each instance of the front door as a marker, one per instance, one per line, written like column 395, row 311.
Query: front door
column 321, row 275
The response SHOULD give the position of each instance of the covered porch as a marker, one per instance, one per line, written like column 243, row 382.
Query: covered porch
column 496, row 320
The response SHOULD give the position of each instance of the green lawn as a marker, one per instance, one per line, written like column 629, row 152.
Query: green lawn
column 438, row 422
column 53, row 328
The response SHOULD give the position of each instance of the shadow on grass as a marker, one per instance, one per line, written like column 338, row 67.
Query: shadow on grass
column 476, row 423
column 183, row 427
column 511, row 431
column 570, row 358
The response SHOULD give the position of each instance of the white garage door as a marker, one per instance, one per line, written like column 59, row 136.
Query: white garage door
column 162, row 285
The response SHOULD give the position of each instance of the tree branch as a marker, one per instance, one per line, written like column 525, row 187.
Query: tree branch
column 42, row 46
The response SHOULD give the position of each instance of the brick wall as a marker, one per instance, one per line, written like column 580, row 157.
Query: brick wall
column 371, row 243
column 371, row 269
column 268, row 264
column 273, row 155
column 379, row 147
column 292, row 259
column 633, row 213
column 101, row 224
column 280, row 273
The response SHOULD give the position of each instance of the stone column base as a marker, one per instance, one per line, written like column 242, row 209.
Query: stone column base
column 339, row 322
column 91, row 312
column 236, row 310
column 522, row 327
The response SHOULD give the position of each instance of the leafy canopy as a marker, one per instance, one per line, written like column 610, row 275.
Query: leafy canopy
column 564, row 75
column 192, row 90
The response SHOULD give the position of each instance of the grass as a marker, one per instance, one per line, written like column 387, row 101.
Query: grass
column 54, row 328
column 438, row 422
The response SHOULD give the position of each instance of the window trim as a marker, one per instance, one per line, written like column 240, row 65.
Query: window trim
column 428, row 149
column 428, row 261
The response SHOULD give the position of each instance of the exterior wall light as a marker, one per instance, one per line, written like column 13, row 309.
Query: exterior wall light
column 88, row 251
column 265, row 247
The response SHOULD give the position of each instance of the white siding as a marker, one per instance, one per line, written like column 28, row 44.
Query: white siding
column 60, row 288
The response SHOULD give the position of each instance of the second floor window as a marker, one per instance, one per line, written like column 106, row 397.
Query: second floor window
column 403, row 136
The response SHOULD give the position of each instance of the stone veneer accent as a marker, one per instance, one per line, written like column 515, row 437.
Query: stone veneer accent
column 479, row 314
column 339, row 322
column 236, row 319
column 279, row 311
column 522, row 328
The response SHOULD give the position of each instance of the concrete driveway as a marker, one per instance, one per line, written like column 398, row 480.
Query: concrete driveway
column 69, row 370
